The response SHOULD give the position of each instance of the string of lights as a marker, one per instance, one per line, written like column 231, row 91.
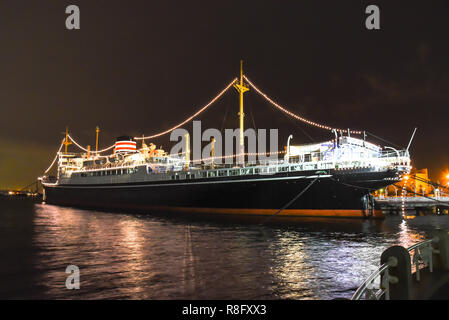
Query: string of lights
column 208, row 105
column 240, row 154
column 84, row 149
column 169, row 130
column 56, row 157
column 193, row 116
column 292, row 114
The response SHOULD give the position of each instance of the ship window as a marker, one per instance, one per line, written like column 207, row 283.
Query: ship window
column 222, row 173
column 272, row 170
column 212, row 174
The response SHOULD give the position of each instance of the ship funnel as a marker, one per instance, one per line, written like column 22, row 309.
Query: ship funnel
column 125, row 144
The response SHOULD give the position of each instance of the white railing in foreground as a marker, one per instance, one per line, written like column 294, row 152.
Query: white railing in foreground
column 368, row 287
column 422, row 256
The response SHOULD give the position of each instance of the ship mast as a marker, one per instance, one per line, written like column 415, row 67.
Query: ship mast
column 97, row 131
column 66, row 141
column 241, row 88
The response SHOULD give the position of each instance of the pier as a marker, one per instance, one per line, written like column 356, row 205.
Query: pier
column 420, row 272
column 421, row 205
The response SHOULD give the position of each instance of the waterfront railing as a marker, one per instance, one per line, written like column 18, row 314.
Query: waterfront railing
column 400, row 268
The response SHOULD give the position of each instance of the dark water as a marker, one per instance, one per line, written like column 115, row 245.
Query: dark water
column 126, row 256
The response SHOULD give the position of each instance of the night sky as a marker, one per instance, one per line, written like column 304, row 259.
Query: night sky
column 140, row 67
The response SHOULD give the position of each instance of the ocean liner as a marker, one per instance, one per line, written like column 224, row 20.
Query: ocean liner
column 328, row 179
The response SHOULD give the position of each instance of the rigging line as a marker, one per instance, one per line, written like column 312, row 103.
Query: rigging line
column 31, row 184
column 56, row 157
column 429, row 182
column 292, row 114
column 84, row 149
column 352, row 185
column 193, row 116
column 300, row 128
column 383, row 139
column 224, row 118
column 291, row 201
column 252, row 115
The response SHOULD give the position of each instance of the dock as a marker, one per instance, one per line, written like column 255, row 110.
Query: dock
column 422, row 205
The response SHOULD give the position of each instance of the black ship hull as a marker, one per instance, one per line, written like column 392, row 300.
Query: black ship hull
column 328, row 194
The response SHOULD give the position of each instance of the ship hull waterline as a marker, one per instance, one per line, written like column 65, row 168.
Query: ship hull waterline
column 337, row 193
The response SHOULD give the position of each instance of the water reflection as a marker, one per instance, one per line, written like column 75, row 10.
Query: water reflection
column 125, row 256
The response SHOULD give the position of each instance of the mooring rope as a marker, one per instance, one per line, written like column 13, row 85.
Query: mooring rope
column 372, row 189
column 291, row 201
